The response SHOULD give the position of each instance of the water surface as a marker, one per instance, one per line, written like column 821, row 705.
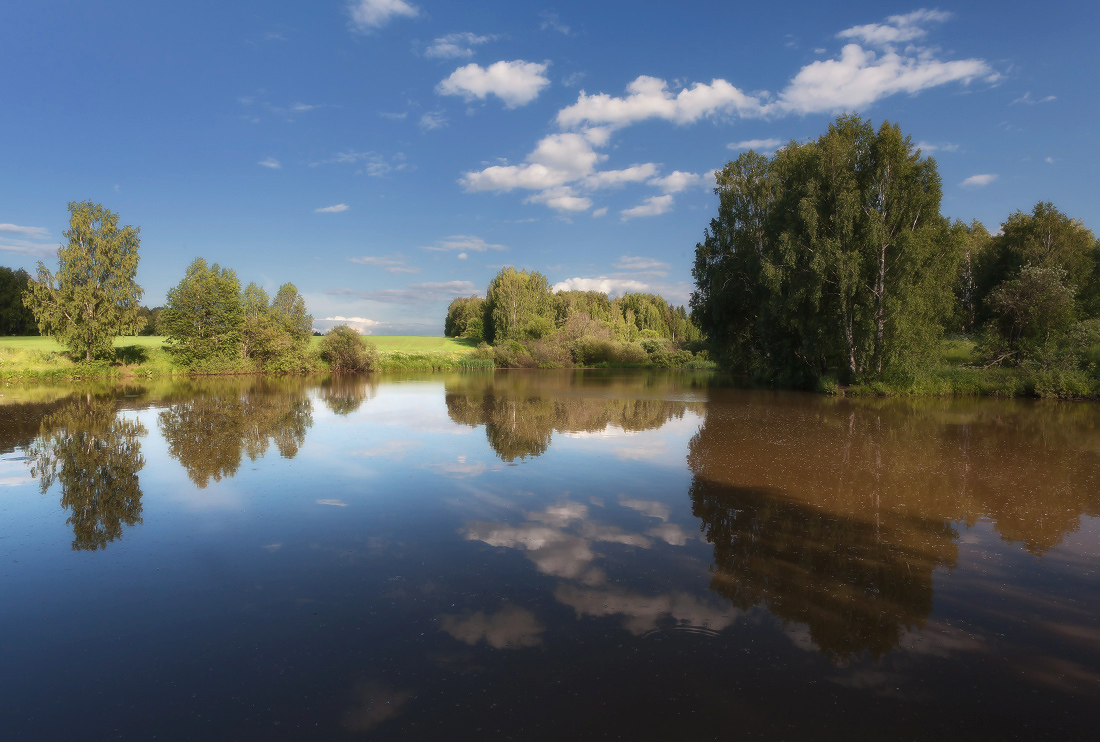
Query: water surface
column 544, row 555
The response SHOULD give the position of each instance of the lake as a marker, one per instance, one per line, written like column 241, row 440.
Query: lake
column 544, row 555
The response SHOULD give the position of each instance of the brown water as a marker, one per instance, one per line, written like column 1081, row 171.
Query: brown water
column 544, row 555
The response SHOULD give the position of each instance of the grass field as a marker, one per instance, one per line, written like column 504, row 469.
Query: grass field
column 384, row 343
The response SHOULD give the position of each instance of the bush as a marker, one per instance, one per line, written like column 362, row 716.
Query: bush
column 345, row 351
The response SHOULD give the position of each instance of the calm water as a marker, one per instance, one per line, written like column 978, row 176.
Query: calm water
column 543, row 555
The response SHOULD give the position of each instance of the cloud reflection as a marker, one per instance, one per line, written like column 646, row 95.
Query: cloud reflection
column 511, row 627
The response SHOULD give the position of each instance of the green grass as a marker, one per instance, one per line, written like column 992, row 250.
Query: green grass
column 415, row 344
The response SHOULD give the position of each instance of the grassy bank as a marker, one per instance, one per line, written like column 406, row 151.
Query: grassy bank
column 959, row 374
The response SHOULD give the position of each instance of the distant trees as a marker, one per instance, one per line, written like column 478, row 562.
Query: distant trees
column 94, row 295
column 465, row 318
column 15, row 317
column 829, row 257
column 517, row 306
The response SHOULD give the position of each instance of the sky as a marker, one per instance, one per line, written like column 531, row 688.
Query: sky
column 387, row 156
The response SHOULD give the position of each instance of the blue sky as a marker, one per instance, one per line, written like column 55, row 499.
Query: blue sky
column 388, row 155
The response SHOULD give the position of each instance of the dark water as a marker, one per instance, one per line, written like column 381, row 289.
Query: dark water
column 543, row 555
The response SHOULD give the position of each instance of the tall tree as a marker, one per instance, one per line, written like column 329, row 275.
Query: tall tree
column 830, row 257
column 204, row 317
column 516, row 305
column 94, row 295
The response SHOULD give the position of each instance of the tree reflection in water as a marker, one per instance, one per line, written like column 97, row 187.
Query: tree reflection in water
column 346, row 393
column 95, row 456
column 220, row 422
column 521, row 411
column 834, row 514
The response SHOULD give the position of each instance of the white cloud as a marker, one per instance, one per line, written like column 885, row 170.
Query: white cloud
column 390, row 265
column 609, row 286
column 456, row 45
column 462, row 256
column 1049, row 160
column 558, row 159
column 652, row 206
column 335, row 209
column 616, row 178
column 860, row 77
column 975, row 181
column 600, row 212
column 1026, row 98
column 371, row 163
column 433, row 120
column 640, row 264
column 270, row 162
column 362, row 325
column 517, row 83
column 462, row 242
column 393, row 116
column 367, row 15
column 678, row 180
column 561, row 199
column 760, row 145
column 897, row 28
column 649, row 97
column 32, row 232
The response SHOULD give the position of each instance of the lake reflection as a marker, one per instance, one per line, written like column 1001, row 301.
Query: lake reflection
column 544, row 554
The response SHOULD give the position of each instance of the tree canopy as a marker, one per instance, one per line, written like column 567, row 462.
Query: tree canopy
column 94, row 295
column 205, row 314
column 829, row 257
column 15, row 317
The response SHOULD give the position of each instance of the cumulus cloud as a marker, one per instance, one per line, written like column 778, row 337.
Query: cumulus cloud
column 897, row 28
column 649, row 97
column 610, row 286
column 462, row 242
column 414, row 293
column 334, row 209
column 270, row 162
column 362, row 325
column 390, row 265
column 563, row 166
column 517, row 83
column 602, row 211
column 760, row 145
column 860, row 77
column 368, row 15
column 976, row 181
column 456, row 45
column 678, row 180
column 652, row 206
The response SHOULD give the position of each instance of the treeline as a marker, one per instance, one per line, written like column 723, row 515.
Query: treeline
column 831, row 260
column 522, row 322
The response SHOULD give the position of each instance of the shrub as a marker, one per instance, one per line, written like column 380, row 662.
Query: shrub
column 345, row 351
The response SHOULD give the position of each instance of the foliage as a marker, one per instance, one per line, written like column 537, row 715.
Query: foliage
column 151, row 317
column 94, row 295
column 1045, row 238
column 204, row 318
column 15, row 317
column 830, row 257
column 95, row 455
column 465, row 318
column 516, row 303
column 346, row 352
column 276, row 334
column 1032, row 310
column 968, row 296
